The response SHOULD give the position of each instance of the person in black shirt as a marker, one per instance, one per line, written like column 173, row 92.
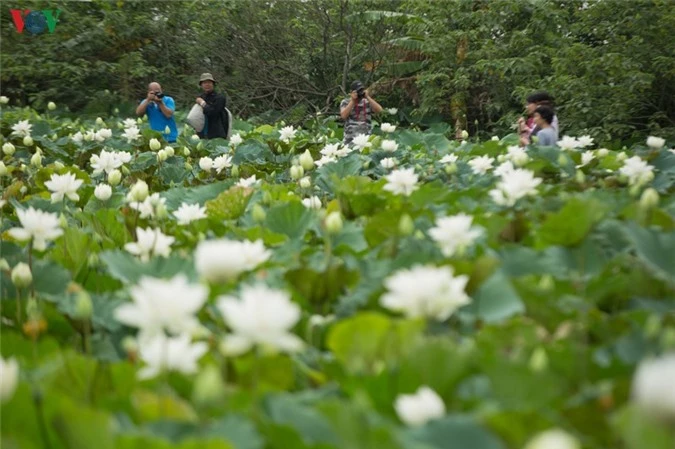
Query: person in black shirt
column 213, row 105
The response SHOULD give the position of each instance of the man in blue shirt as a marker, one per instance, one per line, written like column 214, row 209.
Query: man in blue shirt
column 159, row 108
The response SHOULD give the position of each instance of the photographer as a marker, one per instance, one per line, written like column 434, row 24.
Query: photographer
column 357, row 112
column 159, row 108
column 213, row 104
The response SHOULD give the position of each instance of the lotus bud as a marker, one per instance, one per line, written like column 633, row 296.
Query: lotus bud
column 58, row 165
column 23, row 189
column 539, row 360
column 501, row 158
column 63, row 221
column 36, row 160
column 139, row 121
column 465, row 134
column 28, row 141
column 306, row 160
column 21, row 275
column 116, row 111
column 138, row 192
column 130, row 346
column 333, row 223
column 495, row 138
column 546, row 283
column 114, row 177
column 99, row 121
column 8, row 149
column 154, row 144
column 580, row 176
column 602, row 152
column 160, row 211
column 297, row 172
column 4, row 100
column 305, row 182
column 194, row 138
column 209, row 387
column 649, row 199
column 188, row 166
column 167, row 130
column 93, row 259
column 451, row 168
column 4, row 266
column 3, row 169
column 169, row 151
column 186, row 151
column 161, row 156
column 406, row 225
column 51, row 105
column 200, row 145
column 84, row 308
column 125, row 170
column 621, row 157
column 258, row 213
column 266, row 198
column 234, row 171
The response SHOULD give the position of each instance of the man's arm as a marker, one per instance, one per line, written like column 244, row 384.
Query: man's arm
column 216, row 108
column 167, row 106
column 347, row 109
column 140, row 110
column 374, row 105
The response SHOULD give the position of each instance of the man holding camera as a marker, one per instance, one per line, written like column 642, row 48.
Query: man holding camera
column 159, row 108
column 357, row 112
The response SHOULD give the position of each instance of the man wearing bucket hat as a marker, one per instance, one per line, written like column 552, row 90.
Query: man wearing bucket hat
column 213, row 104
column 160, row 109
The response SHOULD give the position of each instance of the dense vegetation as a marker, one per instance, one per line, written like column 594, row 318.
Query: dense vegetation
column 610, row 63
column 281, row 291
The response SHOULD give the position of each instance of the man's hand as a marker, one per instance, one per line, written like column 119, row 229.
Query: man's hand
column 151, row 96
column 200, row 101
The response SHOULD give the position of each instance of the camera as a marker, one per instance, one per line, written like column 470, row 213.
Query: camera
column 159, row 95
column 361, row 92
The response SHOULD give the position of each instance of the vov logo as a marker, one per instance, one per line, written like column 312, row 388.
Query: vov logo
column 35, row 22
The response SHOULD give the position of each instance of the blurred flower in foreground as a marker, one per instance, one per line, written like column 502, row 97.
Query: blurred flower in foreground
column 553, row 439
column 419, row 408
column 454, row 234
column 163, row 353
column 654, row 386
column 9, row 378
column 402, row 182
column 37, row 225
column 222, row 260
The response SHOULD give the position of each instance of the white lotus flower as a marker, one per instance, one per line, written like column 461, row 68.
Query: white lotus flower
column 654, row 386
column 419, row 408
column 585, row 141
column 4, row 99
column 37, row 225
column 325, row 160
column 402, row 182
column 163, row 305
column 388, row 162
column 568, row 143
column 236, row 140
column 553, row 439
column 77, row 137
column 454, row 234
column 312, row 202
column 387, row 127
column 287, row 133
column 151, row 242
column 655, row 142
column 517, row 155
column 170, row 354
column 206, row 163
column 63, row 185
column 344, row 151
column 586, row 158
column 389, row 145
column 481, row 164
column 448, row 159
column 222, row 162
column 123, row 156
column 131, row 134
column 330, row 150
column 152, row 206
column 504, row 168
column 515, row 185
column 637, row 171
column 90, row 136
column 261, row 316
column 187, row 213
column 425, row 291
column 103, row 134
column 392, row 111
column 222, row 260
column 106, row 161
column 361, row 142
column 129, row 123
column 22, row 128
column 247, row 182
column 9, row 378
column 103, row 192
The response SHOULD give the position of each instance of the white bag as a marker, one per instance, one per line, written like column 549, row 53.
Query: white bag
column 196, row 118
